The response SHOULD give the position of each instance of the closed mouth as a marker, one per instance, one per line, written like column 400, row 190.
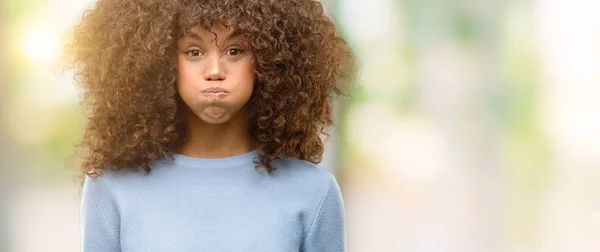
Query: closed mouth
column 215, row 90
column 215, row 93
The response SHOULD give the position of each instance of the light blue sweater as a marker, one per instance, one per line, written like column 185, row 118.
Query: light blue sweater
column 214, row 205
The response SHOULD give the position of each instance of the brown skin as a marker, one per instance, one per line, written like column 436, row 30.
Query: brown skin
column 216, row 126
column 138, row 95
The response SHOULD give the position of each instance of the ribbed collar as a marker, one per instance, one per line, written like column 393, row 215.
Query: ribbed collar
column 215, row 162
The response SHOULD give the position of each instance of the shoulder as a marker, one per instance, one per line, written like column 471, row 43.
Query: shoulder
column 315, row 190
column 303, row 177
column 110, row 180
column 302, row 170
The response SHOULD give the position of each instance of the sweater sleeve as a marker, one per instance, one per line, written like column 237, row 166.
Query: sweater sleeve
column 99, row 217
column 328, row 230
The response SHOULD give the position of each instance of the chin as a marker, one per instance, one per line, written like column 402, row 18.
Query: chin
column 210, row 120
column 213, row 114
column 216, row 113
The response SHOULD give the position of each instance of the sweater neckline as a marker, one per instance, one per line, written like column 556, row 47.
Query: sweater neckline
column 215, row 162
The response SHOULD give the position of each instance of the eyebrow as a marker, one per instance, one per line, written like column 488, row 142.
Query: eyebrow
column 233, row 35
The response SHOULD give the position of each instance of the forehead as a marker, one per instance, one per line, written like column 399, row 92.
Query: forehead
column 210, row 34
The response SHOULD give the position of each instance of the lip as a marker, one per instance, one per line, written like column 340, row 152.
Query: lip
column 215, row 92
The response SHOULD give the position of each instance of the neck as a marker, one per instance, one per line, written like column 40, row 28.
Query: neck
column 205, row 140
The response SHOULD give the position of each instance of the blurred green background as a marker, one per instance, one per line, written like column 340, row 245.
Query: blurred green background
column 474, row 126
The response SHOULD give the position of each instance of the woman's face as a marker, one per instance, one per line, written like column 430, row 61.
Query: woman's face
column 215, row 78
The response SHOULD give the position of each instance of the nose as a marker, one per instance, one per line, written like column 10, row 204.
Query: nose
column 214, row 70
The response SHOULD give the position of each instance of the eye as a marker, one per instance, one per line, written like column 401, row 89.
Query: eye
column 235, row 52
column 193, row 53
